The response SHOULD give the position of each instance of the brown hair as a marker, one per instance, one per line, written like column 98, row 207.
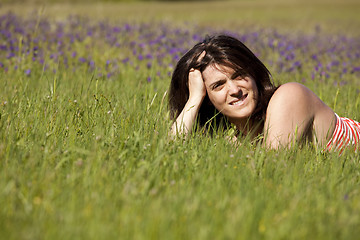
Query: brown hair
column 222, row 50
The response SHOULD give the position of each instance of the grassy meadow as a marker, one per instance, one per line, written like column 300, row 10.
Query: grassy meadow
column 84, row 145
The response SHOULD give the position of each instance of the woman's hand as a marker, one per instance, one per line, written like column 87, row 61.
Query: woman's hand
column 197, row 88
column 197, row 92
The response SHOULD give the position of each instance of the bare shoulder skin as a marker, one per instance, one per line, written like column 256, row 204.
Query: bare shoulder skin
column 295, row 113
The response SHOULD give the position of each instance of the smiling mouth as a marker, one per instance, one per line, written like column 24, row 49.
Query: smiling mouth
column 239, row 101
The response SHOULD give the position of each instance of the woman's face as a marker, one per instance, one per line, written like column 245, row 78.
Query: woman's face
column 235, row 98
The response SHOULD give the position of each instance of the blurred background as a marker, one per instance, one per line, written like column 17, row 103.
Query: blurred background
column 332, row 15
column 305, row 15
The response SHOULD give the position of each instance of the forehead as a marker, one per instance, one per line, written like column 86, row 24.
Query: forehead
column 216, row 72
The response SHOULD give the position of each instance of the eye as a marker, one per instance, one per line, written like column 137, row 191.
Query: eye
column 239, row 74
column 217, row 85
column 239, row 77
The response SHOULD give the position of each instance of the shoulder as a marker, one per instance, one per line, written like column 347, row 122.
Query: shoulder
column 290, row 95
column 289, row 115
column 290, row 91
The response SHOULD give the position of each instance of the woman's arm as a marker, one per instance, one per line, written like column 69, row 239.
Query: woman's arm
column 294, row 114
column 197, row 92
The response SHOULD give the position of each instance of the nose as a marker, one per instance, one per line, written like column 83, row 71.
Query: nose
column 233, row 89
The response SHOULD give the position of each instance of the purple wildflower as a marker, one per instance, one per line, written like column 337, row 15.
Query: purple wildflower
column 162, row 45
column 356, row 69
column 148, row 65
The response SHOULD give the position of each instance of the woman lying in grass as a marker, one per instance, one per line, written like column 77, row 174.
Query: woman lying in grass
column 220, row 78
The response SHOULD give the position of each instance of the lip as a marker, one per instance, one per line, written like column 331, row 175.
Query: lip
column 239, row 101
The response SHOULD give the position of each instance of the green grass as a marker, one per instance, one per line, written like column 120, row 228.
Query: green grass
column 87, row 158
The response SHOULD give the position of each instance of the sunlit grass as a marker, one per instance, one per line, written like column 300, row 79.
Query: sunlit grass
column 87, row 156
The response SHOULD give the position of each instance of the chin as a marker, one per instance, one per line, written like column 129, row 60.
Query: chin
column 240, row 115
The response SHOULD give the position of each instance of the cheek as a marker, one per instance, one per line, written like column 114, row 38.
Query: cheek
column 212, row 96
column 256, row 94
column 255, row 90
column 209, row 93
column 216, row 100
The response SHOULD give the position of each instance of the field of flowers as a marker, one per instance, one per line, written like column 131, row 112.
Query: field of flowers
column 33, row 43
column 85, row 154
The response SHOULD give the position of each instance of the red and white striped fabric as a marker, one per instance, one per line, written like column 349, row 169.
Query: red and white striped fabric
column 346, row 134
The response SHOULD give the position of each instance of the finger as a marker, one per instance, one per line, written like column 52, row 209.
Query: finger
column 202, row 55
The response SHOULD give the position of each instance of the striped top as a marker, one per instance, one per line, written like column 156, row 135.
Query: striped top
column 346, row 134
